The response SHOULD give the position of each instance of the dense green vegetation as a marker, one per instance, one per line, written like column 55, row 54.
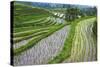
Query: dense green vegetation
column 33, row 24
column 35, row 40
column 75, row 13
column 25, row 13
column 66, row 51
column 34, row 29
column 72, row 14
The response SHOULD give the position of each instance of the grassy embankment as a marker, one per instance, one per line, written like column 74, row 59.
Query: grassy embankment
column 66, row 51
column 28, row 24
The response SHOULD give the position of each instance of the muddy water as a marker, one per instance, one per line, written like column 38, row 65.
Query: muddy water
column 44, row 50
column 57, row 20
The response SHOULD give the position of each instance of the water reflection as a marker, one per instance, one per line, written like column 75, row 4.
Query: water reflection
column 58, row 20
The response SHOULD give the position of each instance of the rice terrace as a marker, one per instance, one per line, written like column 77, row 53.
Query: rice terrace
column 50, row 33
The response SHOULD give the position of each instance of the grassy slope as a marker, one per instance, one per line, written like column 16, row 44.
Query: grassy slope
column 34, row 41
column 66, row 51
column 83, row 46
column 23, row 17
column 26, row 13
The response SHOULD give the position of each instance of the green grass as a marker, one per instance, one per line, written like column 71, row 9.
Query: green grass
column 26, row 33
column 27, row 24
column 66, row 51
column 22, row 29
column 37, row 23
column 29, row 32
column 31, row 43
column 24, row 13
column 17, row 39
column 21, row 19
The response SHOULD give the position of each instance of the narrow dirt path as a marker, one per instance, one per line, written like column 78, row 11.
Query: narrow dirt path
column 44, row 50
column 84, row 45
